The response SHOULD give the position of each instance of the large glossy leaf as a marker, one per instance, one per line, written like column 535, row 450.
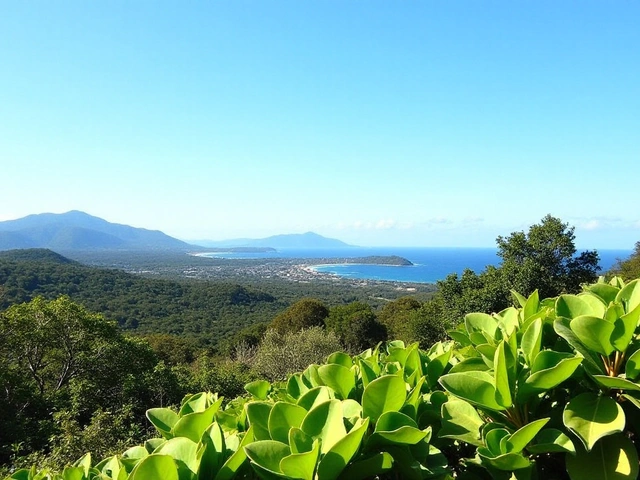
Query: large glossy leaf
column 531, row 341
column 632, row 368
column 337, row 458
column 315, row 396
column 192, row 425
column 506, row 461
column 481, row 323
column 551, row 440
column 258, row 415
column 340, row 358
column 503, row 389
column 436, row 367
column 531, row 306
column 385, row 394
column 605, row 291
column 235, row 461
column 163, row 419
column 470, row 364
column 617, row 383
column 158, row 467
column 184, row 453
column 212, row 452
column 592, row 417
column 326, row 423
column 629, row 295
column 259, row 389
column 267, row 455
column 301, row 465
column 521, row 438
column 613, row 458
column 594, row 333
column 624, row 328
column 460, row 421
column 282, row 417
column 477, row 388
column 395, row 428
column 296, row 386
column 341, row 379
column 592, row 362
column 574, row 306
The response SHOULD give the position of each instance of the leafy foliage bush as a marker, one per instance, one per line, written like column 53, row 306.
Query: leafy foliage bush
column 547, row 389
column 305, row 313
column 282, row 354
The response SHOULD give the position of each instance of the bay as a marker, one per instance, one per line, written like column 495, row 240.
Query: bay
column 429, row 264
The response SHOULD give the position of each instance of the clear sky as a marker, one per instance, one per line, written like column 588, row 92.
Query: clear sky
column 413, row 123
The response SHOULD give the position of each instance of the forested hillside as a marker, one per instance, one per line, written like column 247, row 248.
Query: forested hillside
column 206, row 310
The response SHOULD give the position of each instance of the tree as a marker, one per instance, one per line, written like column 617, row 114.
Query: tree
column 545, row 259
column 629, row 268
column 305, row 313
column 356, row 325
column 395, row 317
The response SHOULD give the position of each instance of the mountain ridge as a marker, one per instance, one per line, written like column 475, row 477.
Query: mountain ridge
column 76, row 230
column 289, row 240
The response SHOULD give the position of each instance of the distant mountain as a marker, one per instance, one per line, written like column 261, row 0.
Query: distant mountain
column 294, row 240
column 80, row 231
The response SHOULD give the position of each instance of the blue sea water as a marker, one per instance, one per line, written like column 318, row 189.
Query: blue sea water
column 429, row 264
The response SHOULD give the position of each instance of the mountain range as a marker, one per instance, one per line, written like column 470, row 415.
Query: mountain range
column 77, row 230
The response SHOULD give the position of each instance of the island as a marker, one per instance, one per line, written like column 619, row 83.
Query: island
column 393, row 260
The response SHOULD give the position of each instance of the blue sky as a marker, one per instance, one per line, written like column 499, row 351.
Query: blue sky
column 379, row 123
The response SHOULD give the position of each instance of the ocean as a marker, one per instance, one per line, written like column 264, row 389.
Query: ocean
column 429, row 264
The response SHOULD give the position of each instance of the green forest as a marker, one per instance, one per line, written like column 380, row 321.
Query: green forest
column 524, row 370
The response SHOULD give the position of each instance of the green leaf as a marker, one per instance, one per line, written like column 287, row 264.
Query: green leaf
column 592, row 362
column 574, row 306
column 548, row 378
column 212, row 451
column 259, row 389
column 617, row 383
column 531, row 306
column 592, row 417
column 163, row 419
column 531, row 341
column 624, row 328
column 341, row 379
column 315, row 396
column 258, row 415
column 384, row 394
column 606, row 292
column 296, row 386
column 460, row 421
column 369, row 467
column 470, row 364
column 193, row 425
column 615, row 458
column 299, row 442
column 282, row 417
column 506, row 461
column 551, row 440
column 337, row 458
column 235, row 461
column 521, row 438
column 267, row 454
column 367, row 371
column 503, row 391
column 481, row 322
column 184, row 453
column 158, row 467
column 301, row 465
column 474, row 387
column 395, row 428
column 632, row 368
column 436, row 367
column 340, row 358
column 629, row 296
column 326, row 423
column 522, row 301
column 594, row 333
